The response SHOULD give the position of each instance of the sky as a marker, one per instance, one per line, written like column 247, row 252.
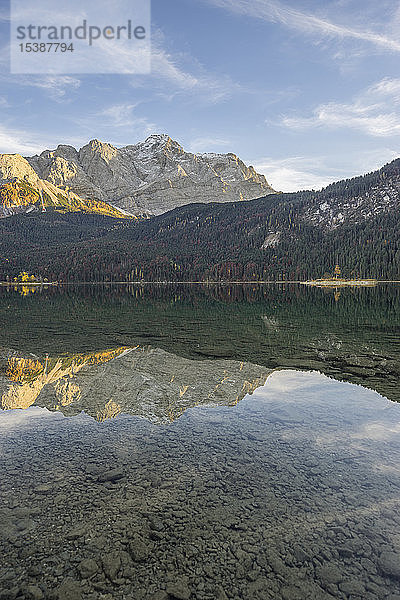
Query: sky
column 306, row 91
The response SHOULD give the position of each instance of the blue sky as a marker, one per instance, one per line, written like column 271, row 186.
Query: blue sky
column 308, row 92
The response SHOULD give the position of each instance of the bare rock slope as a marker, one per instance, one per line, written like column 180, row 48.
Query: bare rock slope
column 22, row 190
column 151, row 177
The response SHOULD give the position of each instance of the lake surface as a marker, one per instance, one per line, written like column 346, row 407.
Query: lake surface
column 200, row 442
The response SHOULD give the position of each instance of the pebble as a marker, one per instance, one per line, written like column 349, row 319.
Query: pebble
column 291, row 593
column 69, row 590
column 350, row 587
column 229, row 517
column 111, row 565
column 88, row 567
column 10, row 594
column 329, row 573
column 34, row 592
column 178, row 590
column 138, row 549
column 161, row 595
column 76, row 533
column 44, row 488
column 113, row 475
column 389, row 563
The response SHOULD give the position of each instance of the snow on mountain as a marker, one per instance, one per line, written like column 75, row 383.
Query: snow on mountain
column 150, row 177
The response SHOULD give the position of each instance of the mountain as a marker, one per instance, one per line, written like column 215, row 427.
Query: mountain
column 151, row 177
column 280, row 236
column 23, row 191
column 356, row 200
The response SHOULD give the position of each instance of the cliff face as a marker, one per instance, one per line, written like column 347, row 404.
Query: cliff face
column 15, row 166
column 143, row 381
column 151, row 177
column 22, row 191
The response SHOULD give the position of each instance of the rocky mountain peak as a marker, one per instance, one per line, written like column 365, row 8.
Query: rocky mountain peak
column 149, row 177
column 96, row 148
column 157, row 138
column 22, row 190
column 160, row 143
column 15, row 166
column 65, row 151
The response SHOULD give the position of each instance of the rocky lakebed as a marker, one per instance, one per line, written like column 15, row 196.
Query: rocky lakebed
column 291, row 494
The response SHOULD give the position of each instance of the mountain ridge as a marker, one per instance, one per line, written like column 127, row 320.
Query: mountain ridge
column 150, row 177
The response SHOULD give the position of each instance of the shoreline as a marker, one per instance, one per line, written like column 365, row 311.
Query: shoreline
column 29, row 283
column 336, row 283
column 311, row 283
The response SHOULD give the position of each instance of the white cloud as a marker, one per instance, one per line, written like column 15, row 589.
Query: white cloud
column 375, row 112
column 296, row 173
column 275, row 12
column 120, row 115
column 336, row 115
column 118, row 57
column 14, row 141
column 208, row 87
column 4, row 14
column 117, row 124
column 209, row 144
column 57, row 87
column 386, row 88
column 164, row 66
column 180, row 74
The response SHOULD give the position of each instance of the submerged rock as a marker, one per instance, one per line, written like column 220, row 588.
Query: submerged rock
column 88, row 567
column 34, row 592
column 389, row 563
column 112, row 475
column 138, row 549
column 111, row 564
column 43, row 488
column 179, row 590
column 329, row 573
column 69, row 590
column 76, row 533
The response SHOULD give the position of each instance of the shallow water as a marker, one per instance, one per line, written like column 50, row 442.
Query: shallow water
column 198, row 465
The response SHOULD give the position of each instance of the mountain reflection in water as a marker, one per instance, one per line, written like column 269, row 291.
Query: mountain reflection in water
column 143, row 381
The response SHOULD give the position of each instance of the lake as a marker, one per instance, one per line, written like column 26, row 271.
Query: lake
column 200, row 442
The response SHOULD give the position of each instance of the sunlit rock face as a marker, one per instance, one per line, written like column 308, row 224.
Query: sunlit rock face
column 142, row 381
column 151, row 177
column 23, row 191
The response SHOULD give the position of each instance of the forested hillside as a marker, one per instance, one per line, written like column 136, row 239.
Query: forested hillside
column 269, row 238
